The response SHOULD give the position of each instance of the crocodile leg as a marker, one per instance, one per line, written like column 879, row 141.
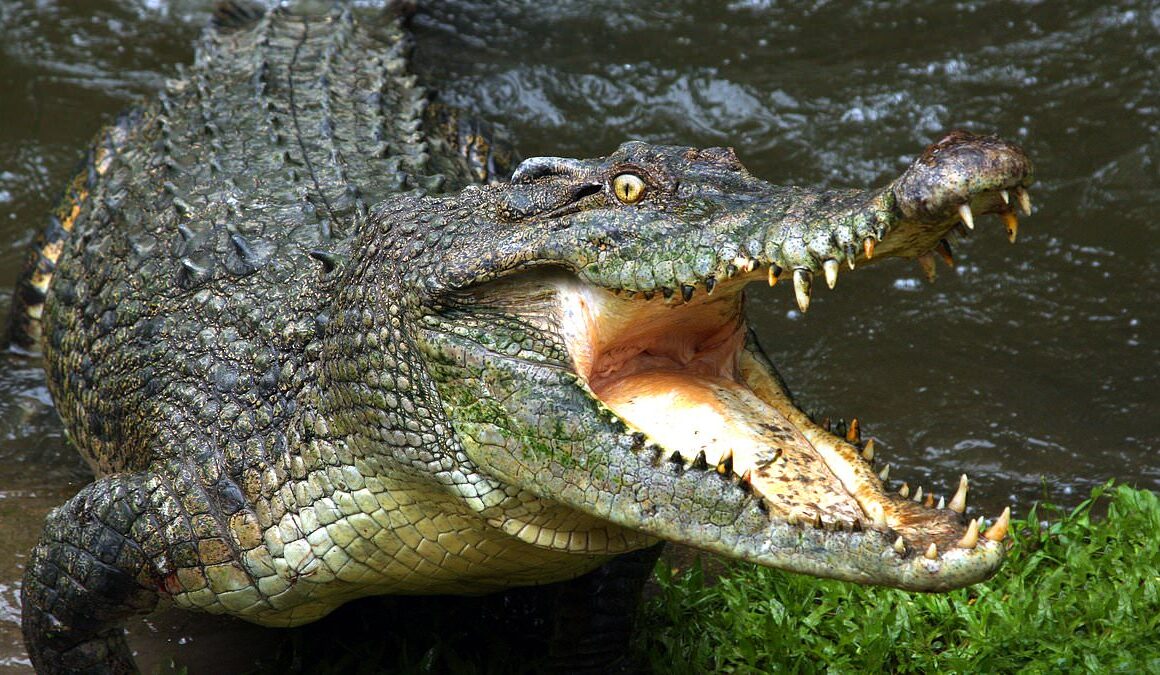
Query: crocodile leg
column 87, row 575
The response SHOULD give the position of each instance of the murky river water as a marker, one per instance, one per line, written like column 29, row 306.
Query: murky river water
column 1031, row 367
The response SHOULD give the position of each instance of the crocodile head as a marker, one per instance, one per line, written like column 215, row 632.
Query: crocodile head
column 586, row 330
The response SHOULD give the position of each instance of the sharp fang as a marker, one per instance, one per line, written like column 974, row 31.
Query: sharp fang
column 1005, row 196
column 773, row 272
column 747, row 477
column 942, row 502
column 959, row 501
column 931, row 552
column 868, row 451
column 884, row 473
column 877, row 514
column 971, row 537
column 853, row 434
column 725, row 464
column 700, row 461
column 998, row 531
column 899, row 546
column 918, row 494
column 926, row 262
column 944, row 250
column 965, row 214
column 929, row 503
column 687, row 292
column 868, row 247
column 850, row 261
column 802, row 283
column 1024, row 200
column 830, row 267
column 1011, row 222
column 904, row 491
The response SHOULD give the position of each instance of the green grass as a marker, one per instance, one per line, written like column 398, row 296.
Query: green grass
column 1076, row 593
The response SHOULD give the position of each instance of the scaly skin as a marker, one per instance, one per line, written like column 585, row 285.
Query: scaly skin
column 294, row 399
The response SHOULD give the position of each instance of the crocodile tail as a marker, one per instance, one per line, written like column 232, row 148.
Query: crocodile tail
column 24, row 323
column 24, row 330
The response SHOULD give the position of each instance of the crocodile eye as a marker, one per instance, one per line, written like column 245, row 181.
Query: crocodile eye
column 629, row 188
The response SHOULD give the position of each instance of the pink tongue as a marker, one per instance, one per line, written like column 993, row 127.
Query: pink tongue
column 690, row 413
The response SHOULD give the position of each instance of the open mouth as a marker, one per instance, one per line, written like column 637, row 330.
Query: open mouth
column 683, row 370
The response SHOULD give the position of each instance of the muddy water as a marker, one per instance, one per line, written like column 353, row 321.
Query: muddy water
column 1031, row 367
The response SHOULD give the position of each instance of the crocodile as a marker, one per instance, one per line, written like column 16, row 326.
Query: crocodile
column 320, row 339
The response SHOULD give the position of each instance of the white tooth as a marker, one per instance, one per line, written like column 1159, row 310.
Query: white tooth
column 830, row 267
column 868, row 451
column 918, row 494
column 899, row 547
column 1006, row 197
column 1024, row 200
column 942, row 502
column 965, row 214
column 959, row 501
column 904, row 491
column 931, row 552
column 801, row 288
column 971, row 536
column 884, row 473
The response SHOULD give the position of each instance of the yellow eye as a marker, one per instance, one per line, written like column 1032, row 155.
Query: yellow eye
column 629, row 188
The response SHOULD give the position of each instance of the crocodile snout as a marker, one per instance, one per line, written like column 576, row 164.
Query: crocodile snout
column 961, row 165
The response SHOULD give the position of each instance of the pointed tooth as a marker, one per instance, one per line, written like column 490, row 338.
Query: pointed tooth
column 830, row 267
column 959, row 501
column 1011, row 222
column 942, row 502
column 725, row 464
column 1005, row 196
column 884, row 473
column 918, row 494
column 931, row 552
column 1024, row 200
column 853, row 434
column 802, row 285
column 868, row 247
column 899, row 546
column 710, row 284
column 998, row 531
column 774, row 273
column 971, row 538
column 944, row 249
column 747, row 477
column 818, row 524
column 850, row 260
column 877, row 514
column 929, row 501
column 904, row 491
column 926, row 262
column 687, row 292
column 700, row 461
column 965, row 214
column 868, row 452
